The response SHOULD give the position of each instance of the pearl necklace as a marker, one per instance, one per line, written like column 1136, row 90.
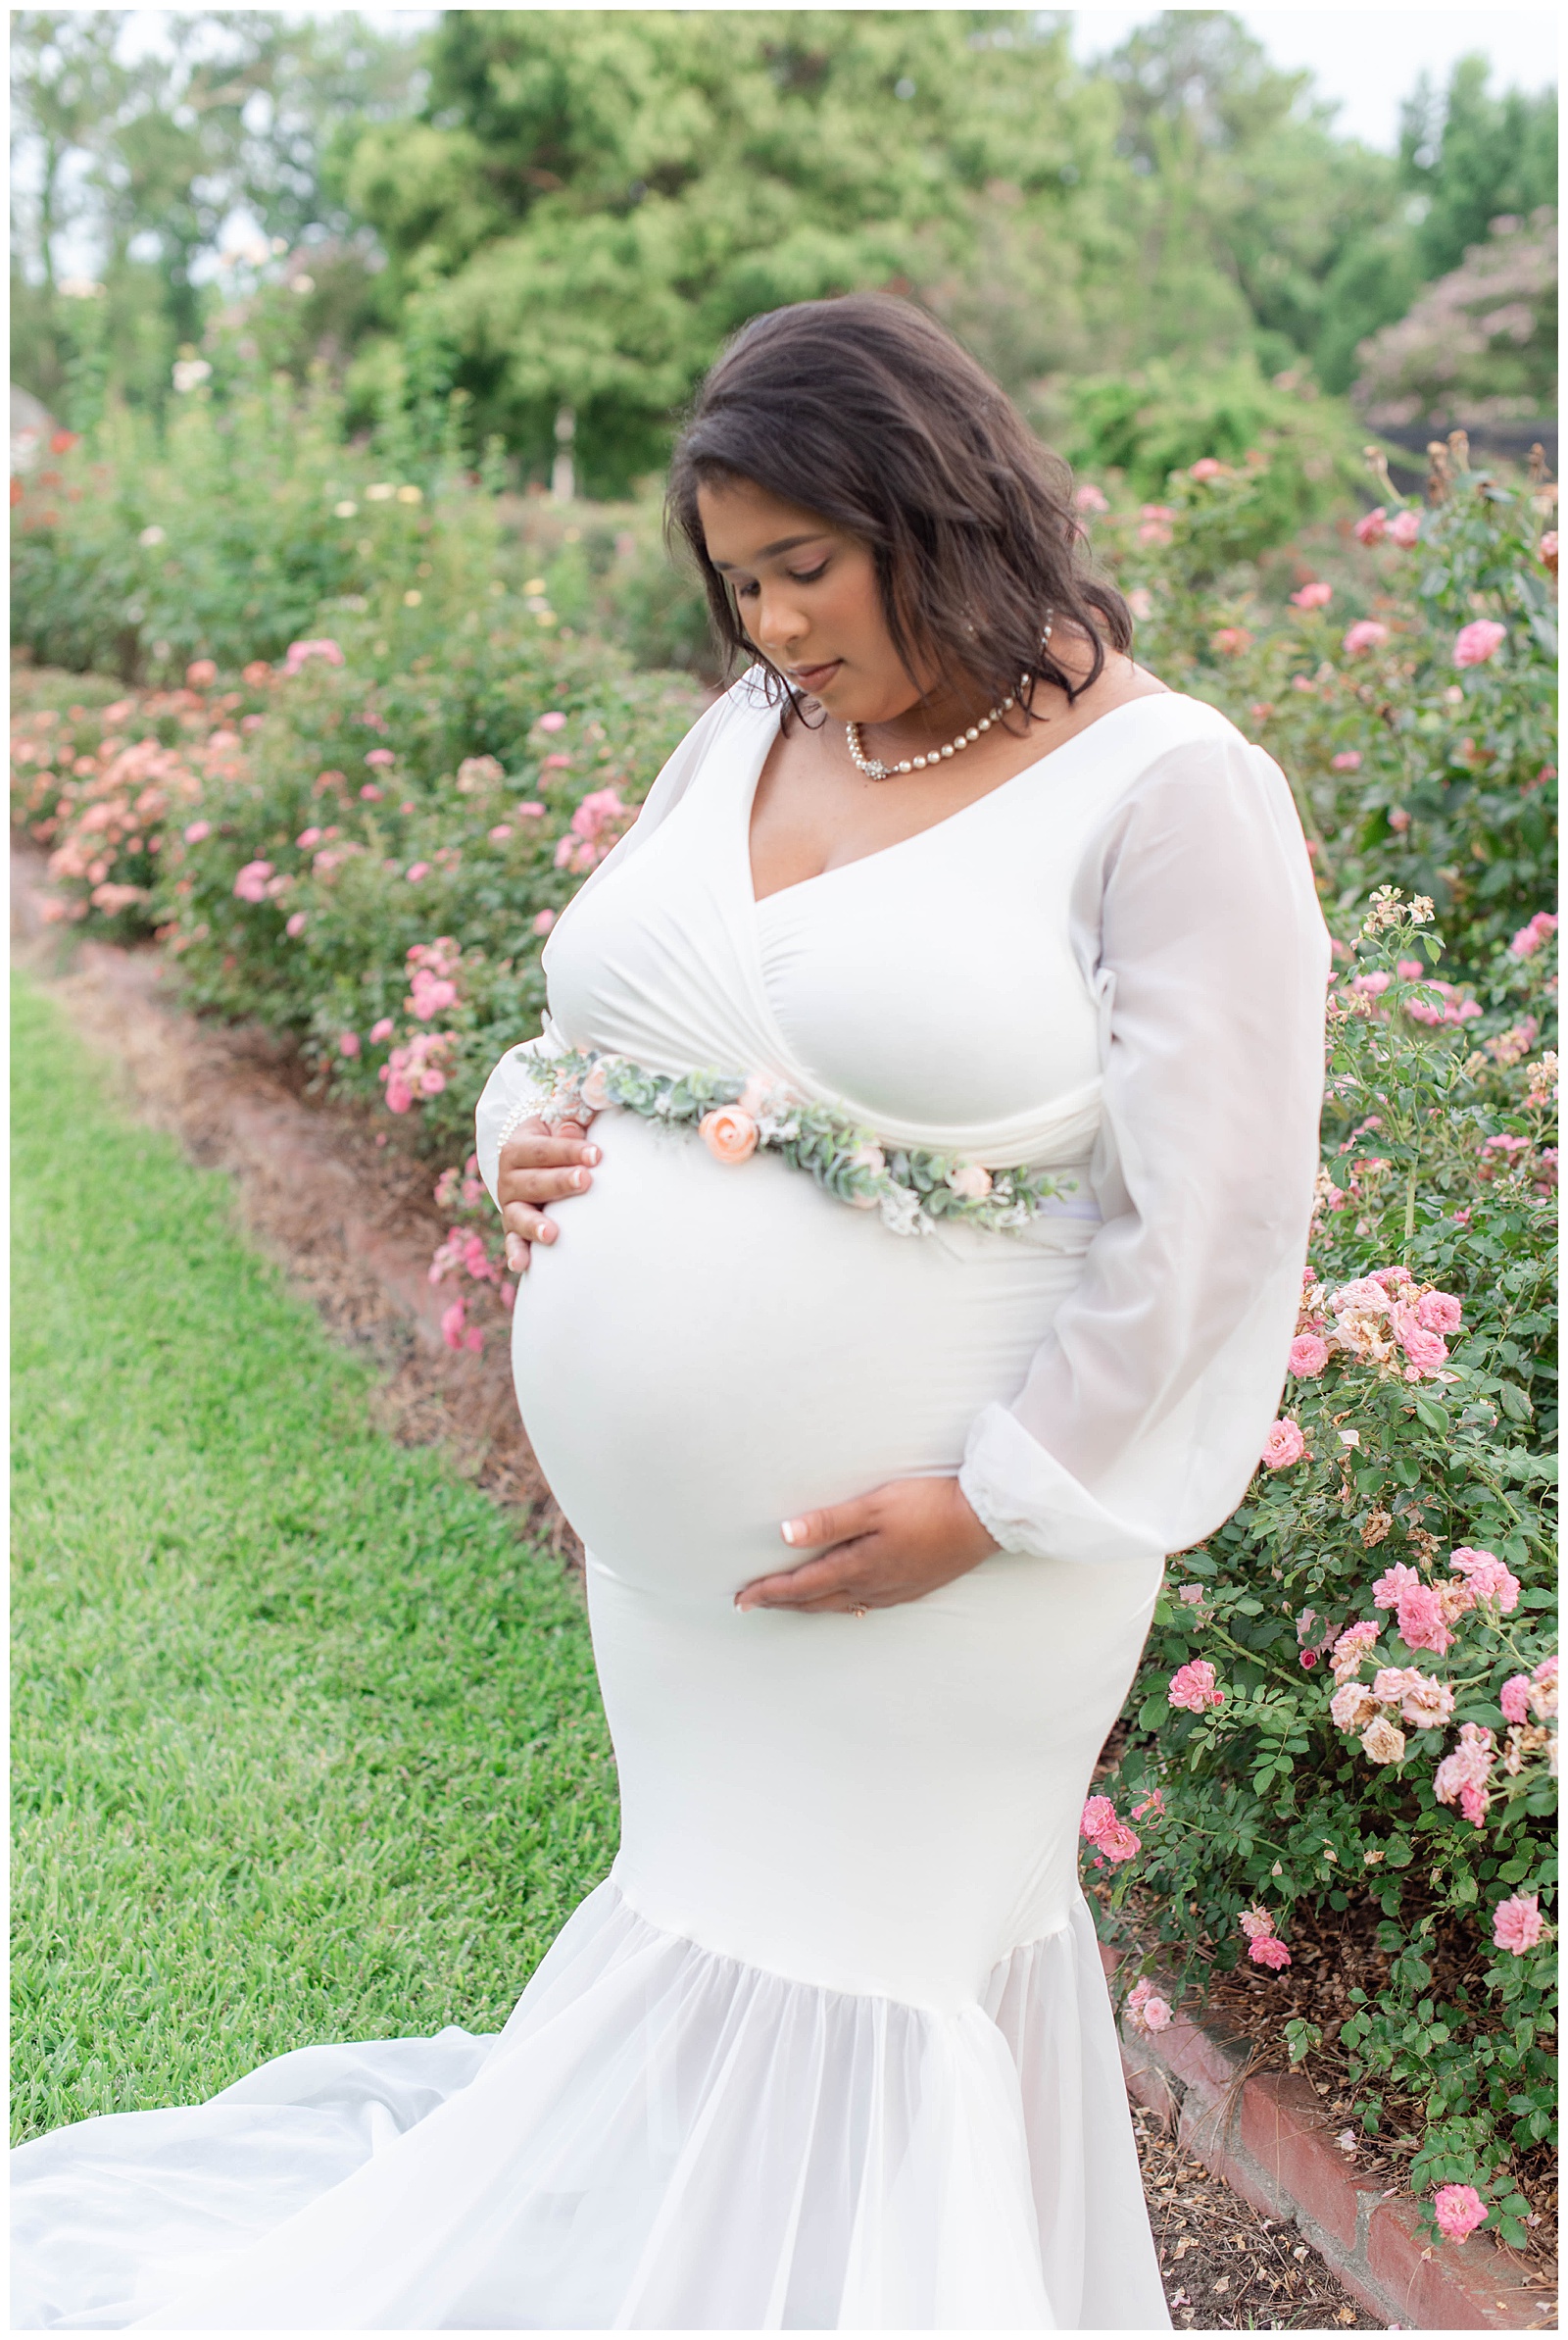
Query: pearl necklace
column 875, row 769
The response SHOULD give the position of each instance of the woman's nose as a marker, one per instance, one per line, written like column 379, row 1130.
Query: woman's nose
column 778, row 624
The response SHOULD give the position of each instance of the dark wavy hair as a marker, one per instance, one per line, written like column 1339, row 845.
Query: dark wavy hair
column 866, row 411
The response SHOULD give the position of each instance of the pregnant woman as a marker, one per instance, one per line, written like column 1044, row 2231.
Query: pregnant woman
column 929, row 1094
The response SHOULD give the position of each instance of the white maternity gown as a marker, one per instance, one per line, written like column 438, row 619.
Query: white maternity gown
column 831, row 2048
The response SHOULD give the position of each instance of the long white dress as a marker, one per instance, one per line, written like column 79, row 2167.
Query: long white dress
column 832, row 2047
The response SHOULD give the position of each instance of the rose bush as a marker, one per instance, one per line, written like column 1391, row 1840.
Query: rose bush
column 1349, row 1699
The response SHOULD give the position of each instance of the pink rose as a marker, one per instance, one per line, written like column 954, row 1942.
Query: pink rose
column 307, row 838
column 530, row 809
column 1117, row 1842
column 1146, row 2010
column 543, row 922
column 1088, row 498
column 1098, row 1815
column 1399, row 820
column 1427, row 1351
column 1489, row 1577
column 1365, row 634
column 1517, row 1923
column 416, row 870
column 1405, row 529
column 1529, row 939
column 1353, row 1648
column 1514, row 1698
column 1347, row 760
column 370, row 793
column 1194, row 1687
column 729, row 1134
column 500, row 833
column 1458, row 2211
column 200, row 673
column 1440, row 1312
column 1544, row 1690
column 398, row 1095
column 1269, row 1951
column 1255, row 1924
column 1478, row 641
column 1313, row 597
column 1372, row 527
column 1392, row 1587
column 197, row 830
column 554, row 722
column 251, row 884
column 348, row 1044
column 1548, row 550
column 1231, row 641
column 1308, row 1356
column 1208, row 467
column 970, row 1181
column 294, row 927
column 1352, row 1706
column 1382, row 1742
column 379, row 758
column 1421, row 1621
column 381, row 1030
column 1283, row 1446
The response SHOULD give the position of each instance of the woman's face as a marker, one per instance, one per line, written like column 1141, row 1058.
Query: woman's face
column 807, row 598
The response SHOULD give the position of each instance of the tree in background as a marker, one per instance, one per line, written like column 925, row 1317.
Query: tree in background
column 234, row 117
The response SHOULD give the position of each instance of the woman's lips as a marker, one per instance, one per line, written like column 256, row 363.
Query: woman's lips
column 812, row 678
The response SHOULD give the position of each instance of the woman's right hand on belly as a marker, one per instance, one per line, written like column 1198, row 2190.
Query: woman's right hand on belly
column 538, row 1166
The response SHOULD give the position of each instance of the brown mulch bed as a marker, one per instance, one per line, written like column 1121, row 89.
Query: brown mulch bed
column 1227, row 2269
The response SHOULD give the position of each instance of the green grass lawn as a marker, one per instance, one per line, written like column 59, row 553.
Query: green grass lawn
column 306, row 1744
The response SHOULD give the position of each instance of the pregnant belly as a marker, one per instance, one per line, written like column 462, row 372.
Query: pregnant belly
column 707, row 1350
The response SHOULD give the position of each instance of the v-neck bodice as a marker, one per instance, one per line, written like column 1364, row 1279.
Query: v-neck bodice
column 934, row 988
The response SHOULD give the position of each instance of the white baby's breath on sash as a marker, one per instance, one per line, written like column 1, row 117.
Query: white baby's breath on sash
column 737, row 1116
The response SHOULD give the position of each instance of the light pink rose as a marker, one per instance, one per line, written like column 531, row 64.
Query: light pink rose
column 1193, row 1686
column 1352, row 1706
column 348, row 1044
column 381, row 1030
column 1392, row 1586
column 970, row 1181
column 418, row 871
column 1427, row 1351
column 1269, row 1951
column 1544, row 1690
column 1421, row 1620
column 1405, row 529
column 729, row 1134
column 554, row 722
column 1353, row 1648
column 1231, row 641
column 197, row 830
column 1313, row 597
column 1208, row 467
column 1428, row 1703
column 1365, row 634
column 1347, row 760
column 294, row 927
column 1283, row 1446
column 1440, row 1312
column 1383, row 1742
column 1517, row 1923
column 544, row 920
column 1089, row 498
column 1372, row 527
column 1256, row 1923
column 1458, row 2211
column 1478, row 641
column 1146, row 2010
column 1390, row 1682
column 250, row 885
column 1514, row 1698
column 1308, row 1356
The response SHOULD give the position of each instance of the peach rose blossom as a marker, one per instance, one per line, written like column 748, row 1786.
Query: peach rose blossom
column 729, row 1134
column 970, row 1181
column 1383, row 1742
column 595, row 1091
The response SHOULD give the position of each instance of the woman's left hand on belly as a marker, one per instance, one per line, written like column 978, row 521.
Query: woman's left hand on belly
column 896, row 1544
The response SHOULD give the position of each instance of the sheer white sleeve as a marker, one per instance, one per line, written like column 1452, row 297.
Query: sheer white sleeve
column 517, row 1089
column 1146, row 1408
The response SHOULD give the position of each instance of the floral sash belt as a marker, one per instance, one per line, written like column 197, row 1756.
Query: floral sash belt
column 912, row 1188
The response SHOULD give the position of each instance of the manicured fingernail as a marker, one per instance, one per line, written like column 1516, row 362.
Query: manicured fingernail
column 793, row 1531
column 592, row 1155
column 579, row 1179
column 517, row 1252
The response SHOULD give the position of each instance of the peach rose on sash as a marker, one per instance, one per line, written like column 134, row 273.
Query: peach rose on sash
column 729, row 1134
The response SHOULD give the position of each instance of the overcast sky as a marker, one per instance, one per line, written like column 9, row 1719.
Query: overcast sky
column 1369, row 58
